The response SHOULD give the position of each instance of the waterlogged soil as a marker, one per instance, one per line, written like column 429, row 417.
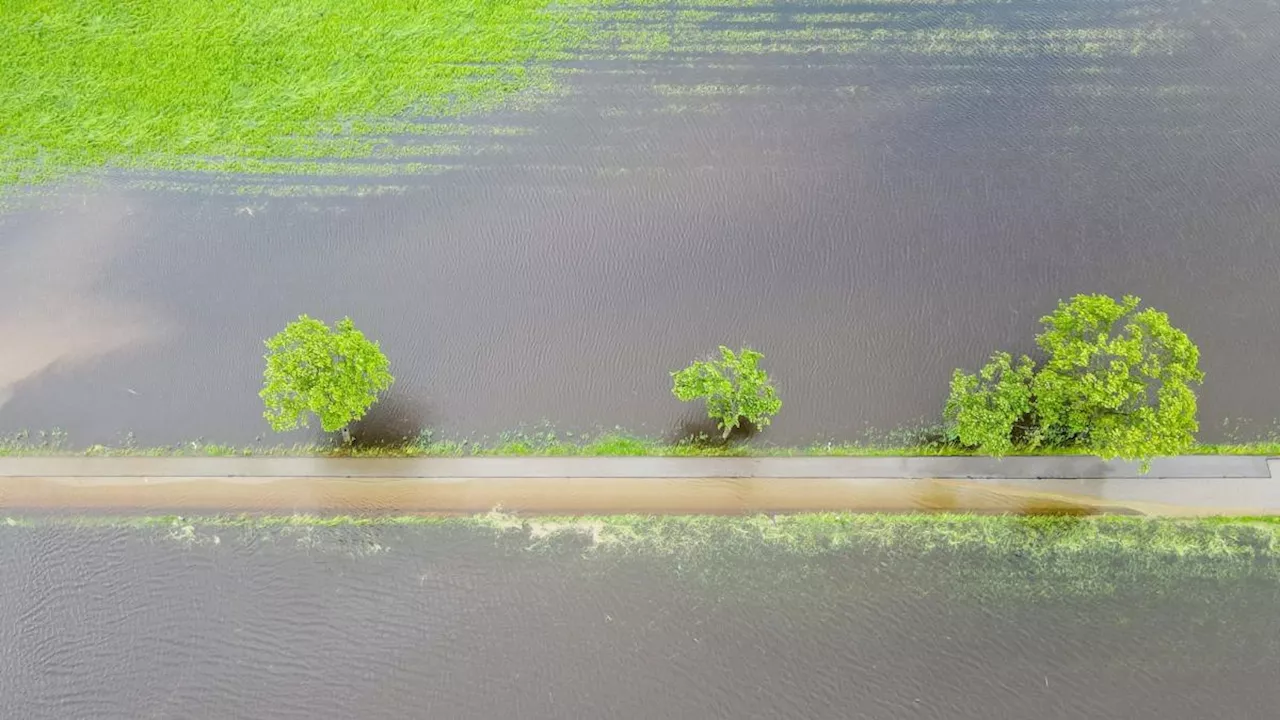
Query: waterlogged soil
column 444, row 621
column 871, row 194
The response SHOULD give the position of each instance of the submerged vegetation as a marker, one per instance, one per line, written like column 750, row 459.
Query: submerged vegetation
column 305, row 87
column 743, row 558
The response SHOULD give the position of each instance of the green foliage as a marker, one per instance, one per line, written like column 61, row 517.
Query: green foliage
column 1117, row 379
column 1116, row 382
column 734, row 387
column 170, row 84
column 984, row 409
column 336, row 374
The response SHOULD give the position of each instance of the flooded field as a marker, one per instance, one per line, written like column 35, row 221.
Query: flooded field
column 837, row 618
column 870, row 193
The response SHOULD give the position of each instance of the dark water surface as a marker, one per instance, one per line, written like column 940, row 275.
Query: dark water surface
column 374, row 623
column 872, row 194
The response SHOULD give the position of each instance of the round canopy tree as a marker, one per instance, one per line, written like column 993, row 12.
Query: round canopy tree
column 1116, row 379
column 335, row 374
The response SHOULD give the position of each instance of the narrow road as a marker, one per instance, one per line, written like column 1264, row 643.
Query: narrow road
column 1183, row 486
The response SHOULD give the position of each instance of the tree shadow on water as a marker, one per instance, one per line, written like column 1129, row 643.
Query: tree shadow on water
column 700, row 432
column 394, row 421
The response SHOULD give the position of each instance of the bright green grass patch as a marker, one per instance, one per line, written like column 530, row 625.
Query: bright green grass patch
column 89, row 82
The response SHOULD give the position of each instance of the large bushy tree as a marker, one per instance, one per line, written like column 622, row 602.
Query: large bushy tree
column 1116, row 381
column 335, row 374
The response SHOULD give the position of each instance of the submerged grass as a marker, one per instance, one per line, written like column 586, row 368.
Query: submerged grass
column 833, row 556
column 289, row 86
column 803, row 534
column 149, row 82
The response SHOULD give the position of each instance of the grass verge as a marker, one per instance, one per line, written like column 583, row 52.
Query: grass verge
column 547, row 444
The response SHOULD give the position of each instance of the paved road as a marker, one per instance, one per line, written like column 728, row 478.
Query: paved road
column 1197, row 485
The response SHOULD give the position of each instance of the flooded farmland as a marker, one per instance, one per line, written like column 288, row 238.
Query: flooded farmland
column 865, row 617
column 871, row 193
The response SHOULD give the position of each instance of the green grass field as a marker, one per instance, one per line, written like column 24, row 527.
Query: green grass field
column 166, row 83
column 296, row 87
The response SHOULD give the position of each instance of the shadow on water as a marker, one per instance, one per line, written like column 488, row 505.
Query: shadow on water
column 396, row 419
column 698, row 430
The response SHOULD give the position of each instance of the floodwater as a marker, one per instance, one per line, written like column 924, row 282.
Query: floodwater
column 872, row 194
column 373, row 623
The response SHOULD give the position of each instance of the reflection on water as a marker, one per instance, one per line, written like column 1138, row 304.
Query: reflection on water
column 872, row 193
column 376, row 622
column 47, row 286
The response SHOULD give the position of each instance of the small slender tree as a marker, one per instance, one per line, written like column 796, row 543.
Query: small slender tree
column 335, row 374
column 734, row 386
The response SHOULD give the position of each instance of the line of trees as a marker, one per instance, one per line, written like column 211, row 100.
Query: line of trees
column 1115, row 381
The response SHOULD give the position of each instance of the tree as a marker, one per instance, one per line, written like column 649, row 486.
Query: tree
column 984, row 410
column 335, row 374
column 734, row 387
column 1116, row 382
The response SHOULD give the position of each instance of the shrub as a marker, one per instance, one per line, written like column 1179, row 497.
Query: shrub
column 335, row 374
column 1116, row 382
column 734, row 387
column 985, row 409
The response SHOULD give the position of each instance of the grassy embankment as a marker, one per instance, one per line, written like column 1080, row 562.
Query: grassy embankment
column 553, row 444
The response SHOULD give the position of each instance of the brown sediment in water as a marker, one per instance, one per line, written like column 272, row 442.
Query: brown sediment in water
column 614, row 495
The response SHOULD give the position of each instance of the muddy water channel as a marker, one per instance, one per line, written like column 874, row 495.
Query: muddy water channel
column 872, row 194
column 677, row 621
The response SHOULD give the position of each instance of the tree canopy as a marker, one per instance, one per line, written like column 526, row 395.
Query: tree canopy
column 734, row 386
column 335, row 374
column 1116, row 381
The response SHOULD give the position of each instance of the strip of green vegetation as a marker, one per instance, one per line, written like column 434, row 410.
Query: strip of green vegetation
column 552, row 444
column 1256, row 538
column 144, row 82
column 832, row 556
column 805, row 532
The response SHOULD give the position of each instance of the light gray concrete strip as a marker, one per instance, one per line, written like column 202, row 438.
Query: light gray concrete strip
column 1154, row 496
column 1062, row 467
column 648, row 495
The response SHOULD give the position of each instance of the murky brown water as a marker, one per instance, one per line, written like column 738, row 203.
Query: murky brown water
column 390, row 623
column 870, row 218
